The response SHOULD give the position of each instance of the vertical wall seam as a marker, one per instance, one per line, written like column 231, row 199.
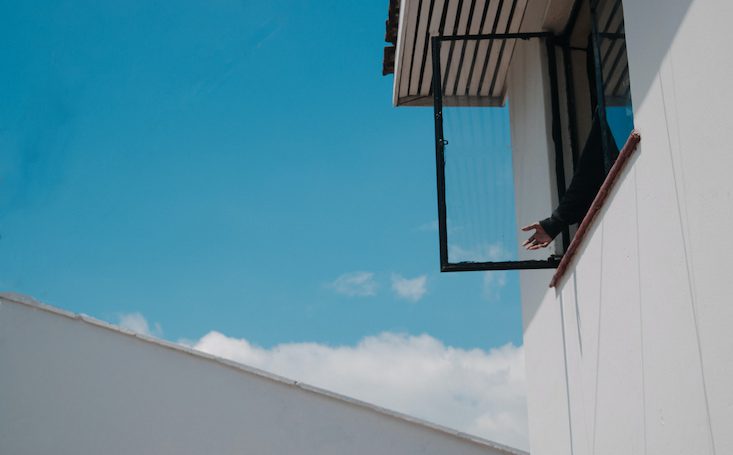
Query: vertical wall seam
column 577, row 313
column 598, row 345
column 641, row 314
column 687, row 260
column 581, row 385
column 689, row 253
column 567, row 376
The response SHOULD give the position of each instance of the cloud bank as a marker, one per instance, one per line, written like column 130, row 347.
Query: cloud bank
column 478, row 392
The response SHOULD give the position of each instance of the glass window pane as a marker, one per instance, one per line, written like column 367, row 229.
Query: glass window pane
column 479, row 185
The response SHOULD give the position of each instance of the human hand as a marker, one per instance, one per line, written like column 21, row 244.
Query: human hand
column 540, row 238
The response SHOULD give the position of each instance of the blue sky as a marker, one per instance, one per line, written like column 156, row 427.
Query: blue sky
column 218, row 166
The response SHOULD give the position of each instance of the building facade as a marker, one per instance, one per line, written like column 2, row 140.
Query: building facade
column 629, row 350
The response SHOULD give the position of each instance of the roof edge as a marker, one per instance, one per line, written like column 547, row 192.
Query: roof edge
column 399, row 49
column 28, row 301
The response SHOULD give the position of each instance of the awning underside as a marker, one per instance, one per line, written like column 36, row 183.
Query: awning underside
column 473, row 72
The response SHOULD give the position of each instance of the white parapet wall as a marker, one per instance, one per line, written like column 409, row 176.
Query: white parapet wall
column 645, row 311
column 73, row 385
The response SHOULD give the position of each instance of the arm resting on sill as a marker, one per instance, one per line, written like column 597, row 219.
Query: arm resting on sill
column 623, row 159
column 586, row 182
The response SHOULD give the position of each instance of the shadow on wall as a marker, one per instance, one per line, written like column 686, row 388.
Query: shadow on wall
column 651, row 26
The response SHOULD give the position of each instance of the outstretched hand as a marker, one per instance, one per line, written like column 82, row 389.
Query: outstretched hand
column 540, row 238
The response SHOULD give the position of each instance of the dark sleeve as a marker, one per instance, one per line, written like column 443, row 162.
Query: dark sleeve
column 586, row 182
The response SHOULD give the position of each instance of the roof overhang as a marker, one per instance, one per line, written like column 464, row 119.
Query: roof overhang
column 478, row 77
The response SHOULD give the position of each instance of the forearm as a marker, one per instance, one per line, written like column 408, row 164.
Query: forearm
column 584, row 186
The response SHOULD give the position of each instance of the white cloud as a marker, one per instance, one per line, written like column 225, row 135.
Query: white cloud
column 411, row 289
column 480, row 252
column 137, row 323
column 493, row 283
column 355, row 284
column 474, row 391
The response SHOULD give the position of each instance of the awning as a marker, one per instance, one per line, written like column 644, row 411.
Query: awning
column 474, row 71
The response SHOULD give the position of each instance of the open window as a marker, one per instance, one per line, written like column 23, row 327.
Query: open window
column 611, row 69
column 597, row 69
column 460, row 58
column 587, row 74
column 474, row 154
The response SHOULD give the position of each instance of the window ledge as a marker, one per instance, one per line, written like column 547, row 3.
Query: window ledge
column 623, row 159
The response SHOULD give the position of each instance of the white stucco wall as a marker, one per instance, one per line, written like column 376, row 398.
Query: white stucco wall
column 647, row 307
column 535, row 196
column 71, row 385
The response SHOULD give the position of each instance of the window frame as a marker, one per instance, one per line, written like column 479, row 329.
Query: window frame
column 552, row 261
column 552, row 41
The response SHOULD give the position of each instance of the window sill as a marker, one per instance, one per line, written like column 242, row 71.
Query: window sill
column 621, row 162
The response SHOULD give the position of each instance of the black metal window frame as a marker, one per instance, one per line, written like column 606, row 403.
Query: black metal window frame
column 597, row 36
column 440, row 143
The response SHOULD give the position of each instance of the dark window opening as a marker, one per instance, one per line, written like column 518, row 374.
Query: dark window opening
column 595, row 38
column 589, row 60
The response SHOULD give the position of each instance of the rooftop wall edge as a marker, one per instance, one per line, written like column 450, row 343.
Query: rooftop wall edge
column 18, row 299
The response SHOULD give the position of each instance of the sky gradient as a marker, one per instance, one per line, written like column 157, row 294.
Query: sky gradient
column 231, row 165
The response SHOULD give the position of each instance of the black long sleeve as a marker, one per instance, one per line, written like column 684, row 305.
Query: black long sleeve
column 586, row 182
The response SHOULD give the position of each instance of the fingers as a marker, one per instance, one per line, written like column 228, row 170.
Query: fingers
column 533, row 243
column 537, row 246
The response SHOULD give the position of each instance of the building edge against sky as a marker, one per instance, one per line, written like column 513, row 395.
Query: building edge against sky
column 631, row 351
column 72, row 384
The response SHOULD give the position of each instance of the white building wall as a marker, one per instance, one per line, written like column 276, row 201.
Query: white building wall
column 647, row 306
column 535, row 195
column 71, row 385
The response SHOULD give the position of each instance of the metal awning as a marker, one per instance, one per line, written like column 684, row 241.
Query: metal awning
column 474, row 71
